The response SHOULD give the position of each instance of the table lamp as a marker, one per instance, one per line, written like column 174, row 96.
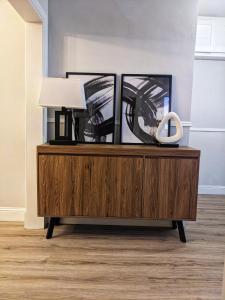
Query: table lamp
column 67, row 94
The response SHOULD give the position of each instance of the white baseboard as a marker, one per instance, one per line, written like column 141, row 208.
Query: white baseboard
column 31, row 221
column 211, row 190
column 15, row 214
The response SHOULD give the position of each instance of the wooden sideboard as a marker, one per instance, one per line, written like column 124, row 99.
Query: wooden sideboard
column 118, row 181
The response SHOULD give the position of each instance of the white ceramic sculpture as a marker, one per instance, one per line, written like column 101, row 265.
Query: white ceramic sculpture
column 179, row 129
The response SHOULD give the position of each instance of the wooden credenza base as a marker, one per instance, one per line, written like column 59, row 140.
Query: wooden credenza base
column 118, row 181
column 175, row 225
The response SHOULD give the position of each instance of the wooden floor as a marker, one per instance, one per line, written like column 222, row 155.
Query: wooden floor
column 98, row 263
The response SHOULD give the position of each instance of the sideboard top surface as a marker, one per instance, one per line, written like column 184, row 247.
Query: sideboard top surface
column 111, row 149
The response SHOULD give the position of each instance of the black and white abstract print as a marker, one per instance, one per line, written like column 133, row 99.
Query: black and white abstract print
column 98, row 125
column 145, row 101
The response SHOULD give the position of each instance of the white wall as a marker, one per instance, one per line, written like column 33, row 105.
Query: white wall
column 126, row 36
column 213, row 8
column 21, row 58
column 12, row 97
column 208, row 121
column 34, row 119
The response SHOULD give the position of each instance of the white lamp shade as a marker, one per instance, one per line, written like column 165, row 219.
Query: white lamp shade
column 62, row 92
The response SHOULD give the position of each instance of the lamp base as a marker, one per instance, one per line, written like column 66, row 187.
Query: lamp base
column 63, row 142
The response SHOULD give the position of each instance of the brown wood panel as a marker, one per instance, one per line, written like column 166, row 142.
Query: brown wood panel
column 109, row 186
column 90, row 186
column 126, row 180
column 107, row 180
column 90, row 191
column 119, row 150
column 55, row 185
column 170, row 188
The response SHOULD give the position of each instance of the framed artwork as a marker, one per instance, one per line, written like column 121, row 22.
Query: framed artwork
column 145, row 99
column 97, row 124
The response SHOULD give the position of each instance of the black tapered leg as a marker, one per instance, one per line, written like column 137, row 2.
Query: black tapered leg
column 181, row 231
column 51, row 224
column 174, row 225
column 57, row 221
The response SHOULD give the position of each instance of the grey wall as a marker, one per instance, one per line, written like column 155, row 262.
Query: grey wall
column 44, row 4
column 208, row 106
column 129, row 36
column 208, row 121
column 213, row 8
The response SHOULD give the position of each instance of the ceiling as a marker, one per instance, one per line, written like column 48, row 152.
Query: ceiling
column 213, row 8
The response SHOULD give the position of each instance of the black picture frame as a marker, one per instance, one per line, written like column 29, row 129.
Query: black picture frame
column 130, row 97
column 107, row 126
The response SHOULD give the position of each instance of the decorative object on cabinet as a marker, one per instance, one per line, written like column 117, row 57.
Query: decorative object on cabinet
column 118, row 181
column 67, row 94
column 145, row 99
column 100, row 95
column 168, row 140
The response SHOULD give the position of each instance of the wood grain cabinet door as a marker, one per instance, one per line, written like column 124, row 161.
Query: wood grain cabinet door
column 55, row 185
column 170, row 188
column 108, row 186
column 125, row 182
column 102, row 186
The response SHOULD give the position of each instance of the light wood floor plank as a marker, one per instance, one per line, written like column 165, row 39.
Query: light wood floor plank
column 98, row 263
